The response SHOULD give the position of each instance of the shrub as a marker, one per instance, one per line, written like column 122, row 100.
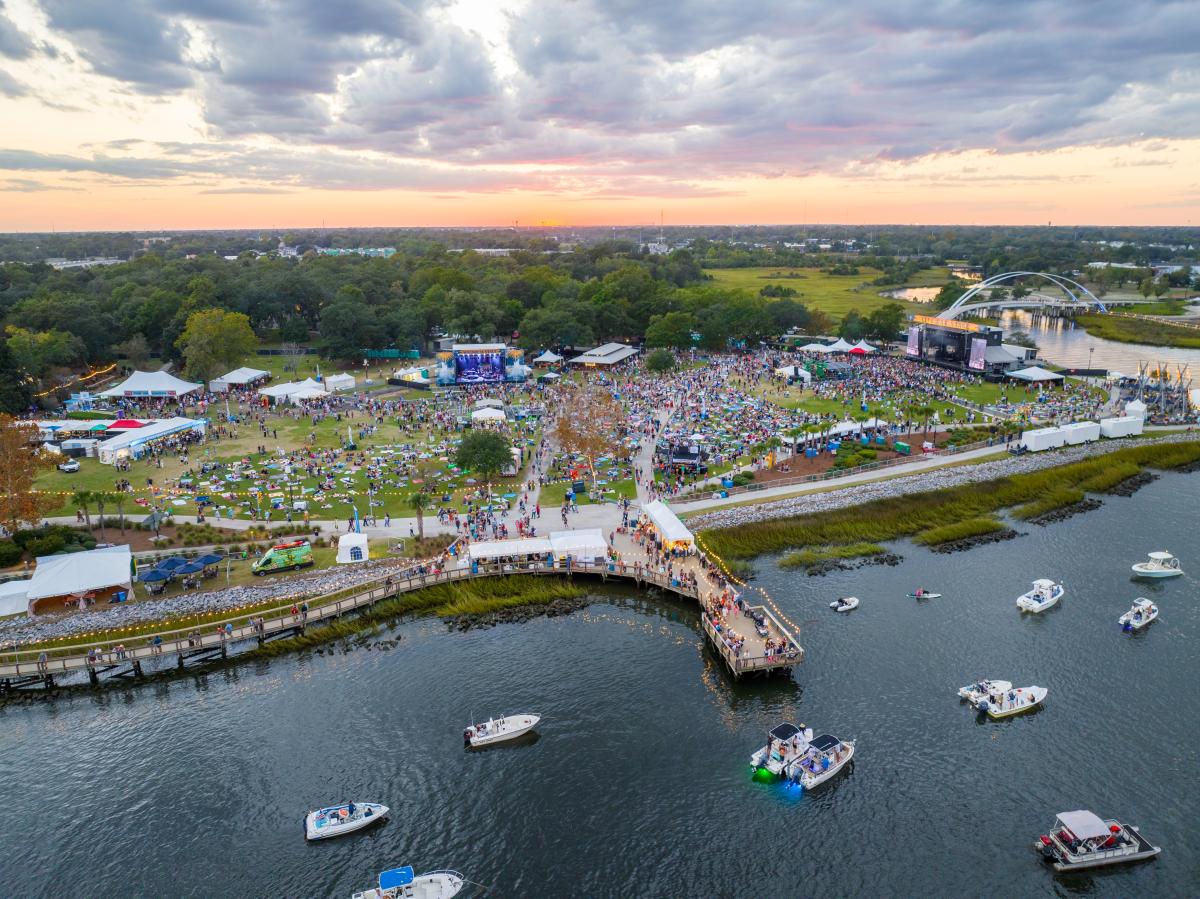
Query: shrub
column 10, row 553
column 45, row 546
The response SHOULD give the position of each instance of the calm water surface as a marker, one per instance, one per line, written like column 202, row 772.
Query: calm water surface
column 1060, row 341
column 639, row 785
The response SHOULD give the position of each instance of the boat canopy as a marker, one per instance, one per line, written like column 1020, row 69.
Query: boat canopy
column 396, row 877
column 1043, row 582
column 825, row 742
column 1084, row 824
column 784, row 732
column 1161, row 556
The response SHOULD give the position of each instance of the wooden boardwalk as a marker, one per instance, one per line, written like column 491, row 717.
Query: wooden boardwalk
column 119, row 659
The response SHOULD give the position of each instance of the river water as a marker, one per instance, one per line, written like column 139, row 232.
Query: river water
column 639, row 784
column 1064, row 343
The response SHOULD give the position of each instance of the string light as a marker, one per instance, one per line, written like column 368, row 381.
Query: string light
column 77, row 380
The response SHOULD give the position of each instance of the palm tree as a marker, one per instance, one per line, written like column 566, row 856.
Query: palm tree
column 925, row 411
column 796, row 434
column 83, row 499
column 101, row 500
column 418, row 501
column 119, row 501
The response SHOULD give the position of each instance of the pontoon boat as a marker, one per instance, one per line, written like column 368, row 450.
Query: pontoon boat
column 1044, row 594
column 826, row 756
column 402, row 883
column 498, row 730
column 844, row 603
column 1141, row 613
column 342, row 819
column 1082, row 839
column 1015, row 701
column 1161, row 564
column 785, row 742
column 972, row 693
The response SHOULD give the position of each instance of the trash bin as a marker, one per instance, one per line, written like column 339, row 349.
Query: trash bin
column 903, row 448
column 726, row 482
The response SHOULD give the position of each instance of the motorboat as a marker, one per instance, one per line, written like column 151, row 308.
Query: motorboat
column 499, row 730
column 1160, row 564
column 922, row 593
column 785, row 742
column 1082, row 839
column 338, row 820
column 844, row 604
column 1044, row 594
column 1141, row 613
column 402, row 883
column 972, row 693
column 825, row 757
column 1014, row 701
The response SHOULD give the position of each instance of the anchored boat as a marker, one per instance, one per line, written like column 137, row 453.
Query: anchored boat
column 844, row 604
column 1141, row 613
column 338, row 820
column 1082, row 839
column 498, row 730
column 402, row 883
column 825, row 757
column 1014, row 701
column 785, row 743
column 1044, row 594
column 1160, row 564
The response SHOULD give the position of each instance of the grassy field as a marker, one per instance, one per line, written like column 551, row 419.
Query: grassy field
column 1136, row 330
column 551, row 496
column 928, row 516
column 834, row 295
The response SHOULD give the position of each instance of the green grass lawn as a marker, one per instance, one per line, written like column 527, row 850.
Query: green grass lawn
column 834, row 295
column 1136, row 330
column 552, row 495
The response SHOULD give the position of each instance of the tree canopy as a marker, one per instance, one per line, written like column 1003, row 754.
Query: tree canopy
column 485, row 453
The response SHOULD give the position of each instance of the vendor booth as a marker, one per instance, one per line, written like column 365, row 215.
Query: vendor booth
column 157, row 384
column 670, row 529
column 239, row 378
column 98, row 575
column 584, row 545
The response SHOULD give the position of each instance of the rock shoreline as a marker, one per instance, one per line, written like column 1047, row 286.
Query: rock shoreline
column 827, row 566
column 1056, row 515
column 1132, row 485
column 957, row 546
column 517, row 614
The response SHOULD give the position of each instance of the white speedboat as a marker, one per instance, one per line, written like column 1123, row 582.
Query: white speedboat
column 1141, row 613
column 972, row 693
column 342, row 819
column 402, row 883
column 1014, row 701
column 1044, row 594
column 1160, row 564
column 825, row 757
column 1082, row 839
column 498, row 730
column 785, row 743
column 844, row 603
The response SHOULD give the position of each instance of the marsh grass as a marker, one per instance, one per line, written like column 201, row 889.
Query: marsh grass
column 806, row 558
column 960, row 530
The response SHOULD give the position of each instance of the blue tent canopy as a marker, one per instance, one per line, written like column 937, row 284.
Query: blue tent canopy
column 396, row 877
column 171, row 563
column 210, row 559
column 190, row 568
column 155, row 574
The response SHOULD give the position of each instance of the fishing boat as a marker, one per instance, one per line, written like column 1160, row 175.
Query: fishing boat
column 785, row 742
column 972, row 693
column 402, row 883
column 1141, row 613
column 922, row 593
column 1082, row 839
column 1160, row 564
column 1014, row 701
column 844, row 604
column 338, row 820
column 499, row 730
column 1044, row 594
column 825, row 757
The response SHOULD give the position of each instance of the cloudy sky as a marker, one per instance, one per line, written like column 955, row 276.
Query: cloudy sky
column 206, row 113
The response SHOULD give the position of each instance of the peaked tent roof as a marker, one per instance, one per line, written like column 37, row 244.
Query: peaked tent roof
column 840, row 346
column 815, row 348
column 243, row 376
column 74, row 573
column 151, row 383
column 1035, row 373
column 548, row 357
column 863, row 347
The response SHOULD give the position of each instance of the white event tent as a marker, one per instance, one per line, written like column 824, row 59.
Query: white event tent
column 840, row 346
column 487, row 414
column 75, row 574
column 14, row 597
column 239, row 377
column 523, row 546
column 152, row 384
column 339, row 382
column 1034, row 374
column 548, row 358
column 862, row 347
column 670, row 528
column 352, row 547
column 815, row 348
column 584, row 545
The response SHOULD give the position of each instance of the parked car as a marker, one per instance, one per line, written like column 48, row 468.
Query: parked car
column 69, row 466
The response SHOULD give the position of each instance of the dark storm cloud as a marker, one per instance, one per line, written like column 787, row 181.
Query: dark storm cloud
column 625, row 89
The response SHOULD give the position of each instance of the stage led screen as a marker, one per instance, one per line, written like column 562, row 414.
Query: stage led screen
column 978, row 348
column 914, row 342
column 479, row 368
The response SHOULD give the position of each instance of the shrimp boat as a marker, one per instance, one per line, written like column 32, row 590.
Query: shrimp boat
column 973, row 693
column 825, row 757
column 844, row 604
column 1044, row 594
column 338, row 820
column 1141, row 613
column 402, row 883
column 1014, row 701
column 1160, row 564
column 1082, row 839
column 499, row 730
column 785, row 743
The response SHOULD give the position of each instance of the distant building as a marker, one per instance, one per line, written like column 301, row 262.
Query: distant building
column 61, row 263
column 605, row 356
column 375, row 252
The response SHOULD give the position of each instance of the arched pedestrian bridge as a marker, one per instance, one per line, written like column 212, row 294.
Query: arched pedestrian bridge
column 1076, row 296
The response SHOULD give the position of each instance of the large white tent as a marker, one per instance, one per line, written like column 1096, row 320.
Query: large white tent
column 14, row 597
column 133, row 442
column 239, row 377
column 794, row 371
column 339, row 382
column 152, row 384
column 840, row 346
column 523, row 546
column 1034, row 374
column 294, row 391
column 548, row 358
column 487, row 414
column 670, row 528
column 862, row 347
column 489, row 403
column 583, row 545
column 815, row 348
column 75, row 574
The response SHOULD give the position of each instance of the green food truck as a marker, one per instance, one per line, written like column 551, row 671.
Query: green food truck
column 293, row 555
